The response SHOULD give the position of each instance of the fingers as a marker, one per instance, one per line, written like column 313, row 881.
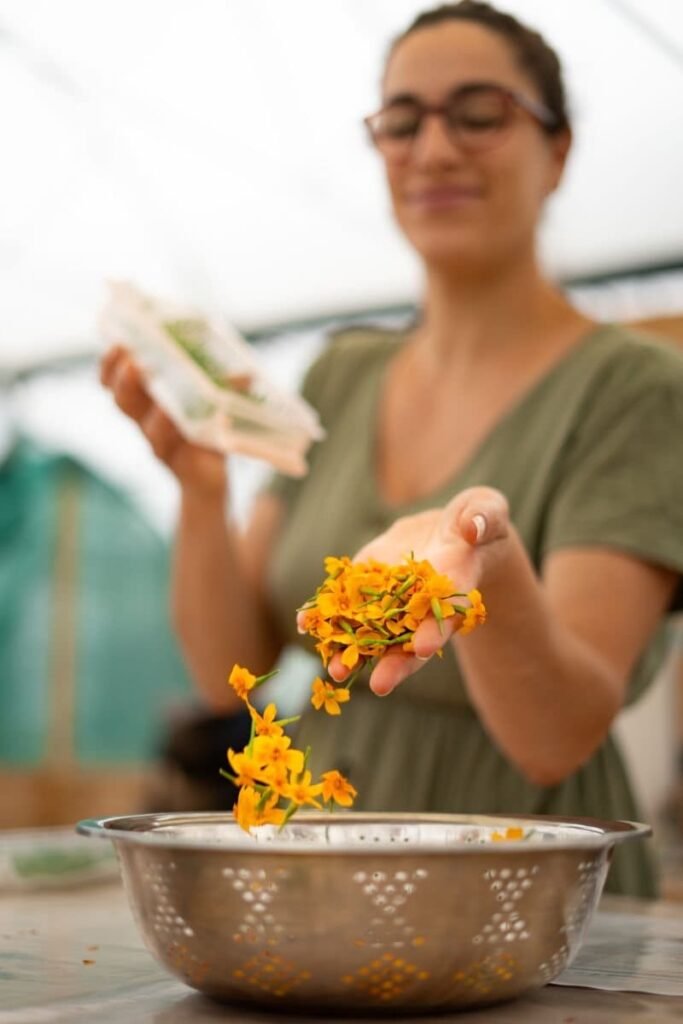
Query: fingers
column 394, row 666
column 430, row 635
column 125, row 379
column 479, row 515
column 163, row 436
column 108, row 363
column 391, row 670
column 337, row 670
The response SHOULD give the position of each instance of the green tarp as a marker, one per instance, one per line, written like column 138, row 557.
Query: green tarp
column 87, row 656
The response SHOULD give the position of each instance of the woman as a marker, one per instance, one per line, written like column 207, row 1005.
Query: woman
column 521, row 447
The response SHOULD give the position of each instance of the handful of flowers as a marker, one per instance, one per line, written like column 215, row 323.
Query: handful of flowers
column 271, row 775
column 363, row 609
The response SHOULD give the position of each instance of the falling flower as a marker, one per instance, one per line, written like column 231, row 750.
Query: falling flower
column 265, row 724
column 271, row 775
column 275, row 750
column 251, row 810
column 303, row 791
column 246, row 770
column 338, row 789
column 242, row 681
column 276, row 777
column 326, row 695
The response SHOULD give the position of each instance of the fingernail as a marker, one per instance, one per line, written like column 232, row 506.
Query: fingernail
column 423, row 657
column 479, row 525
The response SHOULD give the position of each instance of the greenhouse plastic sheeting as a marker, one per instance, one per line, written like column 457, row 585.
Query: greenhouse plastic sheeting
column 87, row 656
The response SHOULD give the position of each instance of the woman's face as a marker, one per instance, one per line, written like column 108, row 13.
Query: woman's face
column 459, row 207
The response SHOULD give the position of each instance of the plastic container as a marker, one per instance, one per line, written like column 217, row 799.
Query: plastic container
column 209, row 381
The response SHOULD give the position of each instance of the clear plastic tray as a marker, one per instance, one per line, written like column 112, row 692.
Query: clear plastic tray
column 209, row 380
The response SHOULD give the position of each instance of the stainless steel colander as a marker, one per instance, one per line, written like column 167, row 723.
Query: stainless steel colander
column 363, row 912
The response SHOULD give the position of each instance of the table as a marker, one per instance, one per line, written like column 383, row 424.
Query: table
column 73, row 955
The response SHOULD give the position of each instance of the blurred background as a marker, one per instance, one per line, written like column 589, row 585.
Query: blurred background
column 213, row 153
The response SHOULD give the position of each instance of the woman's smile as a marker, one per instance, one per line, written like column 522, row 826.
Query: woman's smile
column 431, row 198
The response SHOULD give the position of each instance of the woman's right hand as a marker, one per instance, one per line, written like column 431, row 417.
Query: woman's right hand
column 199, row 470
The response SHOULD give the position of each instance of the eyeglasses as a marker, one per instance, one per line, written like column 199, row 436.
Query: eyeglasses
column 476, row 117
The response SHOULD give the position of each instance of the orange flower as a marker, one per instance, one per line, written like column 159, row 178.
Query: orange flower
column 242, row 681
column 337, row 788
column 314, row 622
column 247, row 771
column 265, row 724
column 333, row 566
column 302, row 792
column 248, row 813
column 349, row 659
column 475, row 614
column 325, row 649
column 274, row 750
column 339, row 598
column 276, row 777
column 328, row 696
column 511, row 833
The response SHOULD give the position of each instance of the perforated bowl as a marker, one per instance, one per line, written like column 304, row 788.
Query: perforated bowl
column 363, row 912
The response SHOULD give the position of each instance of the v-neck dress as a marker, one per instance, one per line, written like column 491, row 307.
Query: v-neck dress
column 592, row 454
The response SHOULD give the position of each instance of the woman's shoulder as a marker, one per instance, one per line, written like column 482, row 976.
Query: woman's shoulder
column 349, row 353
column 625, row 392
column 363, row 341
column 615, row 370
column 636, row 358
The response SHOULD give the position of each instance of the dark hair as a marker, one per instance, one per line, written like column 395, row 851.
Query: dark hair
column 534, row 55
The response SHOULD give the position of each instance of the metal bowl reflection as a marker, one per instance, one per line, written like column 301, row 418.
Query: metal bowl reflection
column 363, row 912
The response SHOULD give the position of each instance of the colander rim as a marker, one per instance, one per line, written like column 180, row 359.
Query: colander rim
column 149, row 830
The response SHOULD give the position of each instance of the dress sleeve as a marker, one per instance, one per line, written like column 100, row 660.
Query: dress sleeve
column 621, row 480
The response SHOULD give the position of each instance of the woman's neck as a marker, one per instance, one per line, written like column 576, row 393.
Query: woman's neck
column 484, row 315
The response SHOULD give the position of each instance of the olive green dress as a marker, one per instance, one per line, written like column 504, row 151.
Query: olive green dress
column 592, row 454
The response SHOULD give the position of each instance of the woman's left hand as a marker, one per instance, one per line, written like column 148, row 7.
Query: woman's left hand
column 461, row 541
